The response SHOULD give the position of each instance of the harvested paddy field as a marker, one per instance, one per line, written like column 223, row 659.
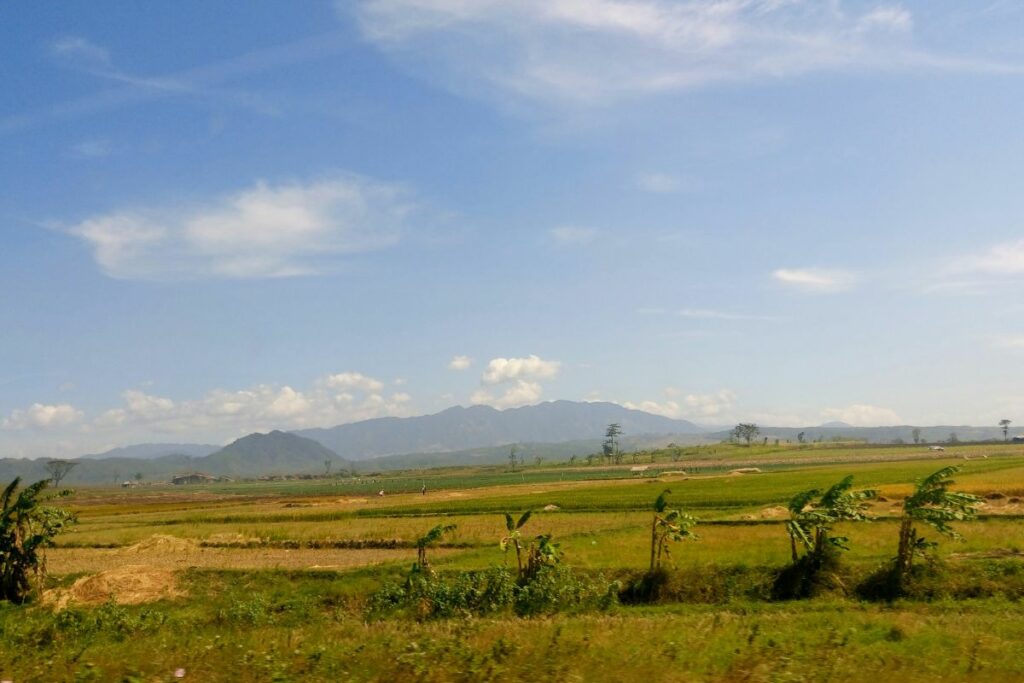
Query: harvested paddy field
column 88, row 560
column 293, row 570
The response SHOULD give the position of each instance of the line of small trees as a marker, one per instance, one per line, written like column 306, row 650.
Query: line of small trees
column 815, row 548
column 815, row 551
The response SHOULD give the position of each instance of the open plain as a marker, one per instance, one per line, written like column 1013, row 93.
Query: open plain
column 276, row 580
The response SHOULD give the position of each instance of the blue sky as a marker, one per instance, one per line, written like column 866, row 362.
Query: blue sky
column 219, row 219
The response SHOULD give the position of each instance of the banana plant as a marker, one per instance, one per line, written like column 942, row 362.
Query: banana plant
column 513, row 538
column 543, row 553
column 810, row 522
column 425, row 541
column 668, row 525
column 933, row 504
column 26, row 527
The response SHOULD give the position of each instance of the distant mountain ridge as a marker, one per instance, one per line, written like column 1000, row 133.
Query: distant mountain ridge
column 460, row 428
column 146, row 451
column 881, row 435
column 476, row 435
column 274, row 453
column 254, row 455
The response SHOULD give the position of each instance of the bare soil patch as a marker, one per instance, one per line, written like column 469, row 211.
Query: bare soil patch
column 91, row 560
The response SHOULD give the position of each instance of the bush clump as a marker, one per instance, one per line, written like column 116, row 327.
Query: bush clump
column 490, row 591
column 810, row 576
column 705, row 584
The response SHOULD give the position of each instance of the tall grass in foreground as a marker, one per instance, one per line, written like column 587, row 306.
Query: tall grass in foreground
column 264, row 626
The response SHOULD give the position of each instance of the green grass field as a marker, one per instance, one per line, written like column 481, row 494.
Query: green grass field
column 272, row 578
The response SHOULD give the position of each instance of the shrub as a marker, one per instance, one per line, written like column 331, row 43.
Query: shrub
column 817, row 568
column 26, row 528
column 811, row 575
column 708, row 584
column 551, row 589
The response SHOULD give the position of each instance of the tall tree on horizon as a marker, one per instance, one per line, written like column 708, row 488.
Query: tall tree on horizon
column 746, row 431
column 59, row 469
column 1005, row 424
column 611, row 442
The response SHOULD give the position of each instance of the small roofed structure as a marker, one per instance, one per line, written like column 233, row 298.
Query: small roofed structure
column 193, row 478
column 1018, row 439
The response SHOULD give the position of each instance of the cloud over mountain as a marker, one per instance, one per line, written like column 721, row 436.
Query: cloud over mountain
column 520, row 379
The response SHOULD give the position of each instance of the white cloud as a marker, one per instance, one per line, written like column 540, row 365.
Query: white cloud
column 519, row 394
column 711, row 314
column 1002, row 259
column 331, row 400
column 1009, row 341
column 595, row 51
column 983, row 273
column 460, row 363
column 521, row 375
column 679, row 405
column 816, row 279
column 861, row 415
column 892, row 18
column 573, row 234
column 80, row 51
column 43, row 416
column 661, row 183
column 353, row 380
column 957, row 287
column 532, row 367
column 91, row 149
column 264, row 231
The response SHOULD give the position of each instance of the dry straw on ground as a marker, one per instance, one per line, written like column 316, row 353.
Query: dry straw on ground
column 161, row 543
column 131, row 584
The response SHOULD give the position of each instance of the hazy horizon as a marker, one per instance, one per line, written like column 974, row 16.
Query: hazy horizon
column 781, row 212
column 704, row 428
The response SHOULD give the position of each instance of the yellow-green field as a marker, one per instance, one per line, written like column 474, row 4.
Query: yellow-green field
column 600, row 522
column 253, row 558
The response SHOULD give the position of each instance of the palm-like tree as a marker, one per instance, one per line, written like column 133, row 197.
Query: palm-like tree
column 427, row 540
column 1005, row 424
column 933, row 504
column 667, row 525
column 543, row 553
column 26, row 527
column 810, row 523
column 513, row 538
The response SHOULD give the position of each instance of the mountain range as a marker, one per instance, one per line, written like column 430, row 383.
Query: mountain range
column 461, row 428
column 476, row 435
column 255, row 455
column 147, row 451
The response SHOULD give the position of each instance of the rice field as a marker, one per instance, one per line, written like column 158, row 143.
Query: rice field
column 270, row 580
column 597, row 514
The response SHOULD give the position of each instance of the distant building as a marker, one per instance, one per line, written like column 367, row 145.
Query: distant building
column 1018, row 439
column 193, row 478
